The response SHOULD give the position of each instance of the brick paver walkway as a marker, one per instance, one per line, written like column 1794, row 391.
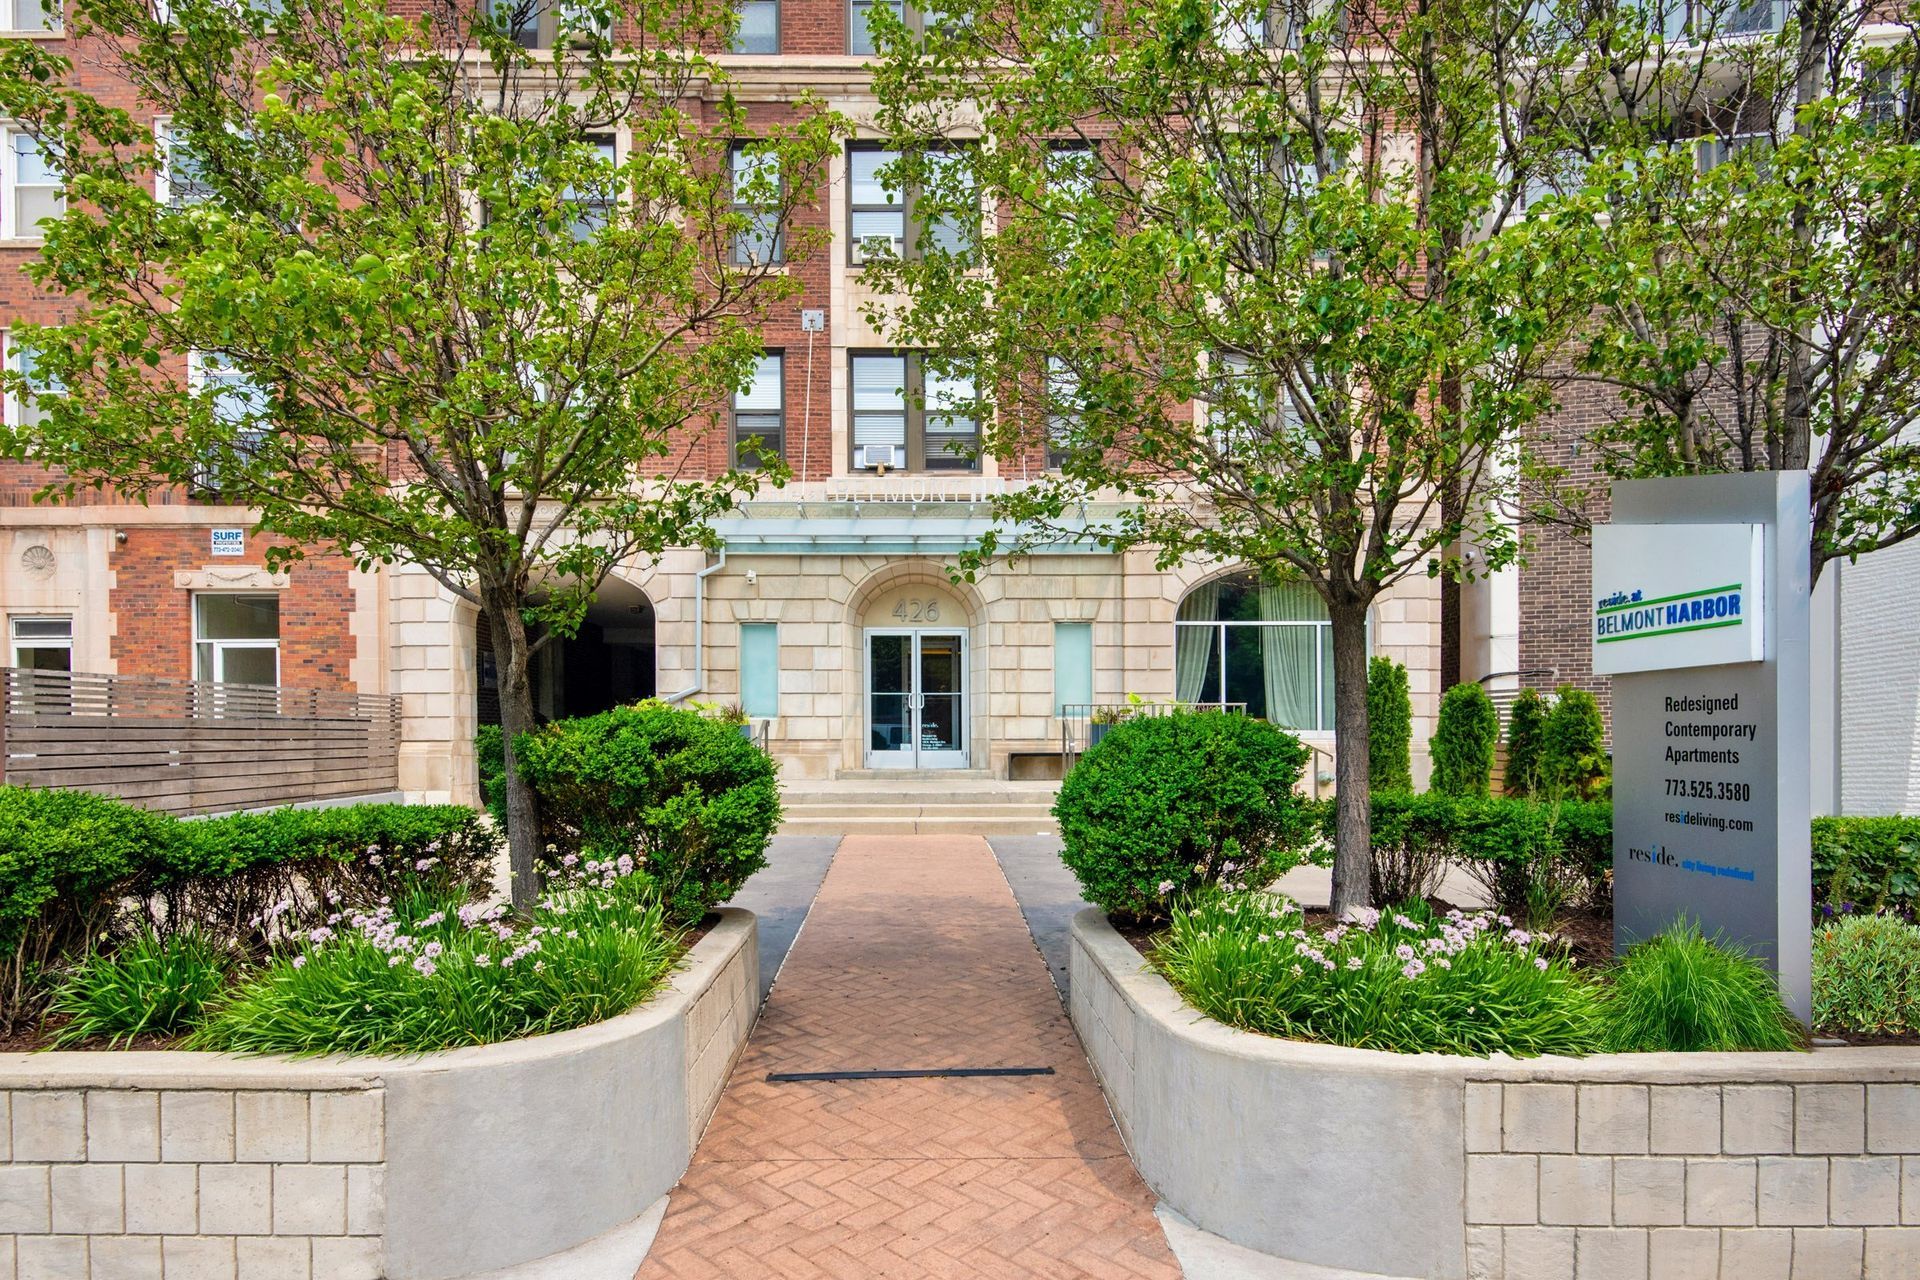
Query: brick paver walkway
column 914, row 956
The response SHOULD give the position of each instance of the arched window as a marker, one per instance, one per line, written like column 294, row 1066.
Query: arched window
column 1269, row 645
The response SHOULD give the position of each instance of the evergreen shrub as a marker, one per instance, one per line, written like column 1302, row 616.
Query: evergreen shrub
column 1464, row 741
column 1171, row 804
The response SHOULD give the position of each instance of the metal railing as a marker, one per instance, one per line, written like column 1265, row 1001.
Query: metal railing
column 184, row 746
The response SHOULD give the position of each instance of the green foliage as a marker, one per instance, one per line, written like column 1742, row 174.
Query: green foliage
column 1167, row 805
column 490, row 752
column 1573, row 754
column 1526, row 741
column 1389, row 726
column 1774, row 285
column 76, row 867
column 1866, row 864
column 408, row 273
column 685, row 798
column 1406, row 980
column 1463, row 742
column 150, row 984
column 64, row 856
column 1683, row 992
column 1242, row 244
column 424, row 974
column 1533, row 858
column 1866, row 976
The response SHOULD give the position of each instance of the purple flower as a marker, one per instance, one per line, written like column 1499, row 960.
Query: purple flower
column 1540, row 963
column 1412, row 969
column 1166, row 887
column 300, row 962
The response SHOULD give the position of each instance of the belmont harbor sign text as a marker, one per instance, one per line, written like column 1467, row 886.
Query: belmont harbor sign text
column 1700, row 592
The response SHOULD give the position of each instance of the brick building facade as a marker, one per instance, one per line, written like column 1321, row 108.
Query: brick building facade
column 829, row 616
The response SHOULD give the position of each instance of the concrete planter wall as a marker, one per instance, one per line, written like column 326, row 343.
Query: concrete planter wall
column 1614, row 1167
column 428, row 1168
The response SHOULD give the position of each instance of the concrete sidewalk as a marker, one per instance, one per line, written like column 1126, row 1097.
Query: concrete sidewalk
column 914, row 957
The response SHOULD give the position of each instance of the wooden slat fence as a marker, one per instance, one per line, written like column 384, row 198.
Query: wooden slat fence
column 184, row 747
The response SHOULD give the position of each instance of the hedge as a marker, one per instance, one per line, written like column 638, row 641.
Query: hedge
column 1525, row 852
column 76, row 868
column 1866, row 864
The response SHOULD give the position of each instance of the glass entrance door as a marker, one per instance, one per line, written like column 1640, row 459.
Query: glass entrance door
column 916, row 699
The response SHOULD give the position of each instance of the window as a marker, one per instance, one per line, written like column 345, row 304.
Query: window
column 952, row 431
column 539, row 24
column 239, row 403
column 25, row 411
column 760, row 669
column 596, row 203
column 30, row 16
column 876, row 213
column 859, row 34
column 236, row 639
column 1882, row 103
column 759, row 29
column 182, row 179
column 32, row 188
column 1064, row 410
column 930, row 417
column 1072, row 665
column 759, row 414
column 1239, row 25
column 1240, row 407
column 1239, row 639
column 756, row 200
column 1716, row 151
column 42, row 644
column 886, row 221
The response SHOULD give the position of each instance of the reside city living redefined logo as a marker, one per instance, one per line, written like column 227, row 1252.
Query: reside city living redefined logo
column 1626, row 616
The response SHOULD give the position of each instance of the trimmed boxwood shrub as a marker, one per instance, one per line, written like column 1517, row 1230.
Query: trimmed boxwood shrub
column 1389, row 727
column 1167, row 805
column 1463, row 742
column 684, row 798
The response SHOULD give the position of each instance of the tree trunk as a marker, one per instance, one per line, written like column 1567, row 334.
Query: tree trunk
column 516, row 717
column 1353, row 814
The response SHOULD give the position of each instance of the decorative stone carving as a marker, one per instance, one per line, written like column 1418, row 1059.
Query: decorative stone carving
column 38, row 561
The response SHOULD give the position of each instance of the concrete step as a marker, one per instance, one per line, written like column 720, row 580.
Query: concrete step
column 915, row 809
column 919, row 826
column 916, row 789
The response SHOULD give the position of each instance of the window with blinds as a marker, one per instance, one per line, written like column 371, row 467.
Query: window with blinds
column 759, row 414
column 930, row 415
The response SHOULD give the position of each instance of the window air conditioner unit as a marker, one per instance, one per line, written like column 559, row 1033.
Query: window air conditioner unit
column 877, row 457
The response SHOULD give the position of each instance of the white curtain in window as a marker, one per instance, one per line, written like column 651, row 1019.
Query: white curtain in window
column 1193, row 646
column 1287, row 653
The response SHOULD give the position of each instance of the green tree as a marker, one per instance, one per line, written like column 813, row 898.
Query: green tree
column 1389, row 727
column 1750, row 207
column 1309, row 235
column 1526, row 739
column 434, row 320
column 1573, row 755
column 1463, row 742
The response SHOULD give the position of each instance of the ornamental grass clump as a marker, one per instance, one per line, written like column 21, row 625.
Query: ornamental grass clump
column 1866, row 976
column 1683, row 992
column 151, row 985
column 433, row 971
column 1408, row 980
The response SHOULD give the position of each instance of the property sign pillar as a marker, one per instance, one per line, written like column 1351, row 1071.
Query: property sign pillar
column 1700, row 614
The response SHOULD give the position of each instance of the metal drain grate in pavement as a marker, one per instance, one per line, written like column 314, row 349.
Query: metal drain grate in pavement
column 928, row 1073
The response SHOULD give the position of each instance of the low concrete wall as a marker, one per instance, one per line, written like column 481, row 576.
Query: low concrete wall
column 1614, row 1167
column 428, row 1168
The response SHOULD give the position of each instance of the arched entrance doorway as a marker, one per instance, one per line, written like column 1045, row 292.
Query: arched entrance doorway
column 608, row 663
column 920, row 676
